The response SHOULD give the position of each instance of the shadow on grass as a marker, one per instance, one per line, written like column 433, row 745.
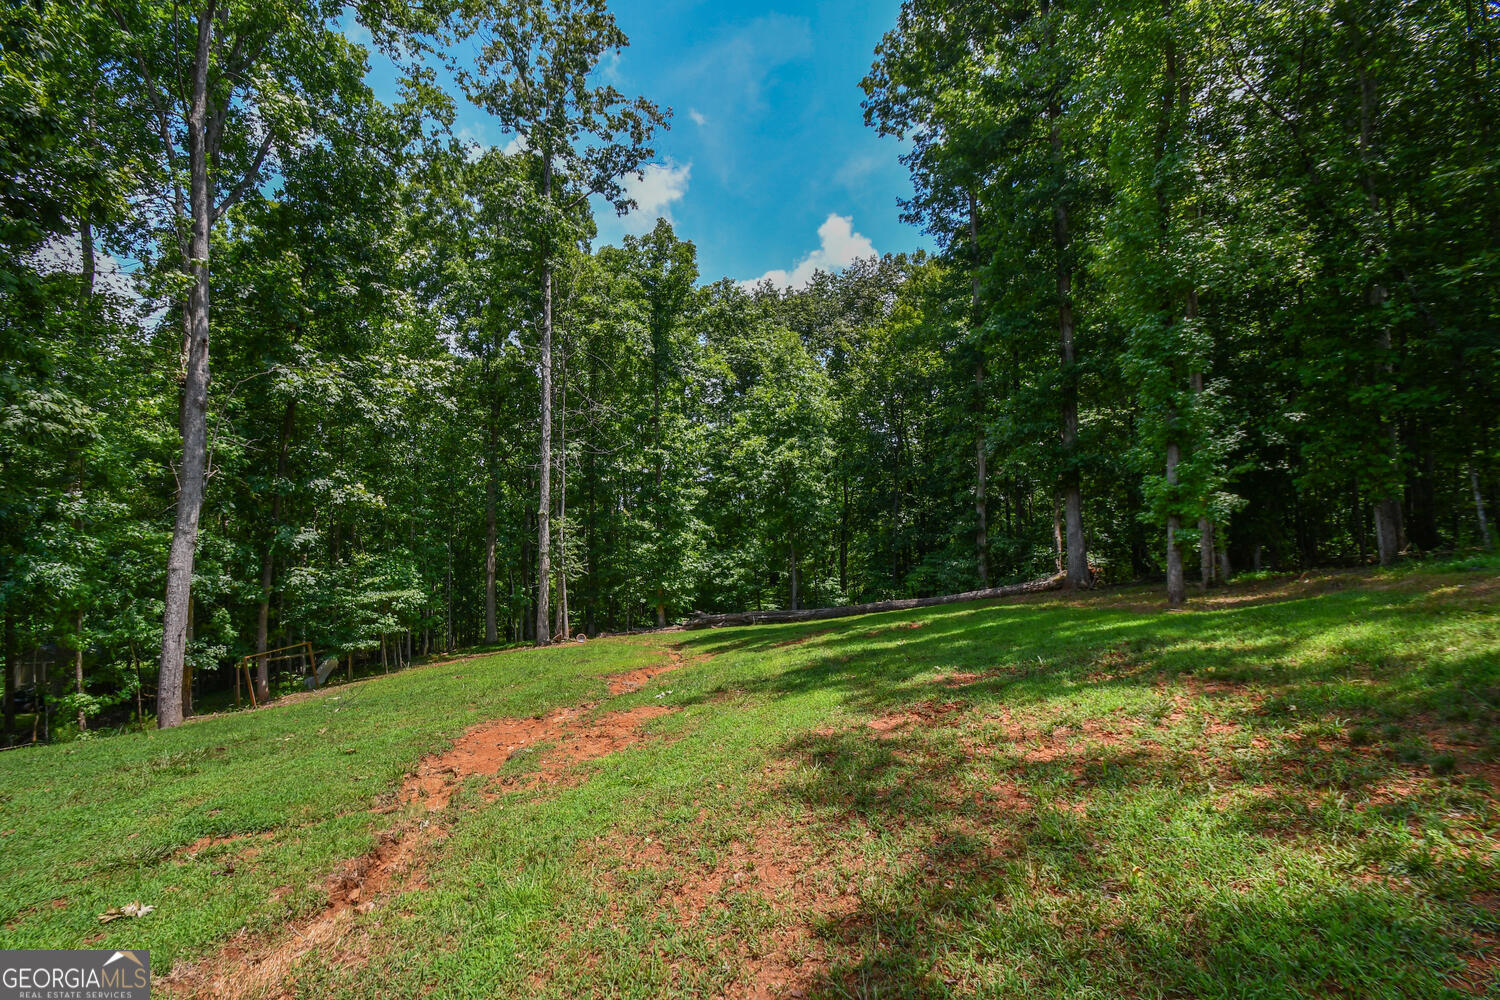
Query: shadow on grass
column 1111, row 872
column 1280, row 859
column 1387, row 657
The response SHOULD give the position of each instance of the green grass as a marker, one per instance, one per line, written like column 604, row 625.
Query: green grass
column 1287, row 793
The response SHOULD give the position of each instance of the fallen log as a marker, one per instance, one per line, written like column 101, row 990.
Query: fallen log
column 1054, row 582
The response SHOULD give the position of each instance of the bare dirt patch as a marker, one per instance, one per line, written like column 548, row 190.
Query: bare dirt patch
column 202, row 844
column 808, row 879
column 927, row 713
column 962, row 678
column 245, row 968
column 634, row 680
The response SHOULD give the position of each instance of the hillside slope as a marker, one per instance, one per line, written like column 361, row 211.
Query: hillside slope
column 1291, row 790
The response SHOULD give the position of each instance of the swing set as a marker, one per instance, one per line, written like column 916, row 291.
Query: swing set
column 301, row 651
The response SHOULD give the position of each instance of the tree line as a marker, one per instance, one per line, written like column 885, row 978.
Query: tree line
column 284, row 363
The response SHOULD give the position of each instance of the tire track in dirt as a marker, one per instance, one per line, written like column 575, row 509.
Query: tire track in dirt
column 398, row 862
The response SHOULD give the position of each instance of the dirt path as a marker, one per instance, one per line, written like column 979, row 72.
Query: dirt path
column 569, row 736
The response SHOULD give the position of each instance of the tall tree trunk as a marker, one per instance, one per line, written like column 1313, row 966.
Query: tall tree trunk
column 794, row 575
column 268, row 559
column 193, row 470
column 1206, row 550
column 590, row 625
column 44, row 700
column 657, row 459
column 544, row 470
column 981, row 513
column 564, row 627
column 1388, row 527
column 844, row 538
column 83, row 722
column 1078, row 557
column 1176, row 590
column 1077, row 554
column 491, row 633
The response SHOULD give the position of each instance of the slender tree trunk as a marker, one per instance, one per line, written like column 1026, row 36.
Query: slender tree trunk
column 1176, row 590
column 194, row 468
column 794, row 575
column 268, row 559
column 140, row 705
column 1388, row 527
column 981, row 512
column 1195, row 382
column 11, row 669
column 44, row 700
column 564, row 628
column 491, row 634
column 1077, row 554
column 1206, row 551
column 544, row 506
column 1484, row 527
column 83, row 722
column 844, row 538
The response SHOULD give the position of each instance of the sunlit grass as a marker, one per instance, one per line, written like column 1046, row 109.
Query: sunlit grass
column 1059, row 798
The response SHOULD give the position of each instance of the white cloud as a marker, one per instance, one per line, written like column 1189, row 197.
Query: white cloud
column 838, row 246
column 735, row 71
column 609, row 67
column 855, row 169
column 654, row 192
column 698, row 117
column 516, row 145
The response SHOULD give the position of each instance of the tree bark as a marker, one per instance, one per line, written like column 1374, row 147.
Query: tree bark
column 194, row 424
column 491, row 634
column 83, row 722
column 544, row 506
column 794, row 575
column 1057, row 533
column 1388, row 528
column 981, row 512
column 10, row 675
column 1176, row 589
column 1484, row 527
column 1207, row 548
column 1077, row 554
column 564, row 627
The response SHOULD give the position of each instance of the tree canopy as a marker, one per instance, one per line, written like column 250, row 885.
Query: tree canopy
column 1214, row 286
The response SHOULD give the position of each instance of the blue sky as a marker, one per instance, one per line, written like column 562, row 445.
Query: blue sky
column 768, row 167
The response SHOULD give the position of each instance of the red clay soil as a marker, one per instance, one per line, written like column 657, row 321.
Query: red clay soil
column 244, row 968
column 791, row 868
column 928, row 713
column 634, row 680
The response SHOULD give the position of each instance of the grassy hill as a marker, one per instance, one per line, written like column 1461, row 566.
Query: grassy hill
column 1290, row 789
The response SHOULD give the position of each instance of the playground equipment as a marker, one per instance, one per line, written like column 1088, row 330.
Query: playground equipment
column 301, row 651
